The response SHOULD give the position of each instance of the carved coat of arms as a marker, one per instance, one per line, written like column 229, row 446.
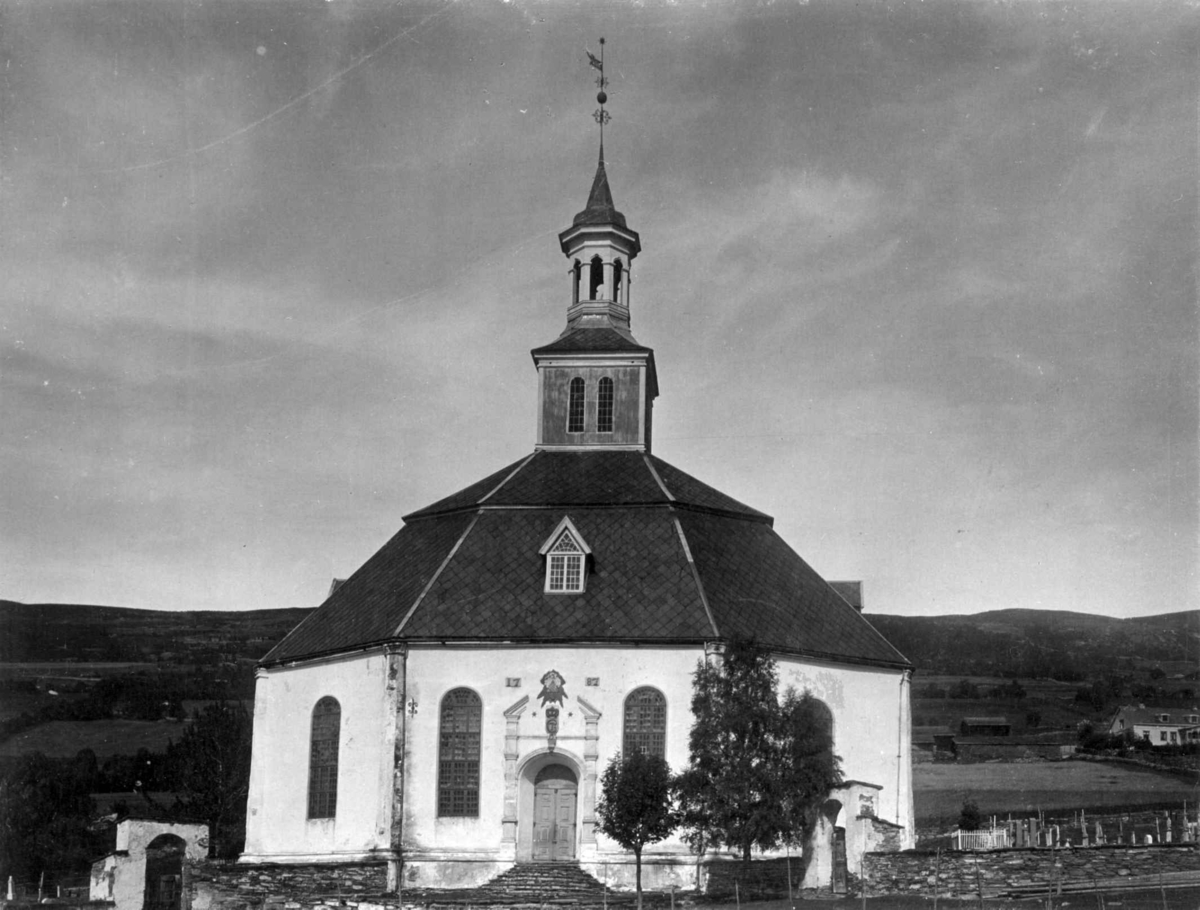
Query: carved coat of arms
column 553, row 688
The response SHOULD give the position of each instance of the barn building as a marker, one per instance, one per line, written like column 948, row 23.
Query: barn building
column 448, row 710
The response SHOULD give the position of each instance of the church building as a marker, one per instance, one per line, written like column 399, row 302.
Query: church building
column 449, row 709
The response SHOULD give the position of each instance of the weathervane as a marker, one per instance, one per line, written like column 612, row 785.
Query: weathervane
column 601, row 116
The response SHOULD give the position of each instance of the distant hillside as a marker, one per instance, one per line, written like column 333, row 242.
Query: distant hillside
column 1043, row 643
column 79, row 632
column 1028, row 643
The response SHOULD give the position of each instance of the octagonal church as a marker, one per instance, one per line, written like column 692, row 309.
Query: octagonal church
column 450, row 707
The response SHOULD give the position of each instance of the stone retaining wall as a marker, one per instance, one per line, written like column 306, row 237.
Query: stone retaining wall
column 228, row 886
column 767, row 878
column 1000, row 871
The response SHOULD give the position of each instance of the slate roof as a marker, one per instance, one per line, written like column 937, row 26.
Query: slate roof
column 600, row 208
column 673, row 561
column 600, row 340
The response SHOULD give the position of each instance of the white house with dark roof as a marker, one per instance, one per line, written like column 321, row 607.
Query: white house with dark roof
column 1171, row 726
column 448, row 710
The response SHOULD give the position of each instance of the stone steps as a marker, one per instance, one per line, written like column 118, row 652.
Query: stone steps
column 533, row 884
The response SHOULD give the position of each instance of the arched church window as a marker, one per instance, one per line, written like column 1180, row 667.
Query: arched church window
column 616, row 294
column 458, row 754
column 646, row 722
column 323, row 758
column 575, row 406
column 595, row 278
column 604, row 409
column 576, row 280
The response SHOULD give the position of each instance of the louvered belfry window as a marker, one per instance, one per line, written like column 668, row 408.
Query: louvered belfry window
column 564, row 570
column 646, row 722
column 458, row 754
column 575, row 406
column 323, row 758
column 604, row 410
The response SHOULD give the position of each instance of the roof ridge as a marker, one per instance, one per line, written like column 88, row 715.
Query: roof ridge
column 662, row 486
column 434, row 577
column 687, row 552
column 513, row 473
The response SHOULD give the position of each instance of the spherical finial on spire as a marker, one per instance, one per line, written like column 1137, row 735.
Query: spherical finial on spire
column 601, row 97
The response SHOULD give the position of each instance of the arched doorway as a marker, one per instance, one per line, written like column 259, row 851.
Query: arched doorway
column 554, row 798
column 164, row 873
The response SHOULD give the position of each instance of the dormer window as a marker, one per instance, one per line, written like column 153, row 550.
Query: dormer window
column 1164, row 718
column 566, row 556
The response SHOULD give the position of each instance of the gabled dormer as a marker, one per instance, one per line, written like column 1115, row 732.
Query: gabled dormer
column 566, row 554
column 597, row 385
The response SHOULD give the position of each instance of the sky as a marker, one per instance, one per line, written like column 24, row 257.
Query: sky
column 919, row 277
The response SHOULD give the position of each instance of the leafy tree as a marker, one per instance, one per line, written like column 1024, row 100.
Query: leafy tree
column 758, row 769
column 970, row 819
column 809, row 769
column 45, row 810
column 635, row 804
column 210, row 768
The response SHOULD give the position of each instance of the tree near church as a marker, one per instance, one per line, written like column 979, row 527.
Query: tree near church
column 211, row 771
column 759, row 769
column 635, row 806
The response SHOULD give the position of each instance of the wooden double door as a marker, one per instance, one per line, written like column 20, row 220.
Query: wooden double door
column 555, row 791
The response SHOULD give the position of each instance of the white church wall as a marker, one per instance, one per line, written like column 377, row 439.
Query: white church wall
column 871, row 729
column 277, row 826
column 869, row 706
column 600, row 676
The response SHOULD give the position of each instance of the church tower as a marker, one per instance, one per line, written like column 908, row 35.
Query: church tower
column 596, row 384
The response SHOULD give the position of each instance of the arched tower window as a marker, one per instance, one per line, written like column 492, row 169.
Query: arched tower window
column 323, row 758
column 645, row 722
column 576, row 280
column 617, row 275
column 458, row 754
column 604, row 409
column 575, row 406
column 595, row 278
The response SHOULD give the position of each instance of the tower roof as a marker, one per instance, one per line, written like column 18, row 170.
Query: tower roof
column 600, row 208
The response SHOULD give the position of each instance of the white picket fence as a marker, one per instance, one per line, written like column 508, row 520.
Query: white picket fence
column 995, row 839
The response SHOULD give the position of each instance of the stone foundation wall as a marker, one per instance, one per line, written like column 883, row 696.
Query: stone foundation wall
column 228, row 886
column 766, row 878
column 997, row 872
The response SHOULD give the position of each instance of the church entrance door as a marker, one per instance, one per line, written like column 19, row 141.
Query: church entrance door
column 554, row 792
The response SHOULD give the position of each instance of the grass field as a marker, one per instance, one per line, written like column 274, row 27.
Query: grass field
column 1000, row 788
column 104, row 737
